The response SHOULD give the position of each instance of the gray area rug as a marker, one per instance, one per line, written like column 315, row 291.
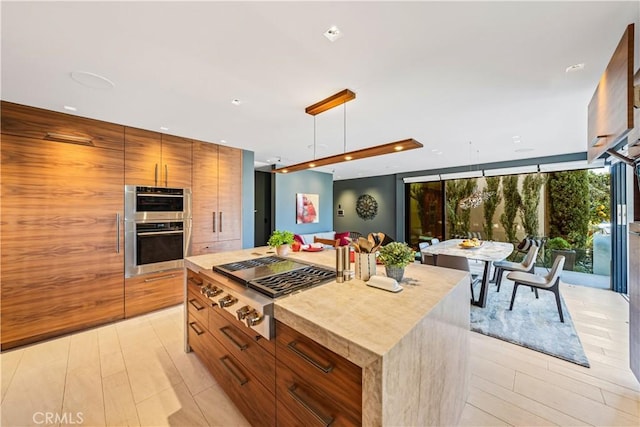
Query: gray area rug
column 533, row 323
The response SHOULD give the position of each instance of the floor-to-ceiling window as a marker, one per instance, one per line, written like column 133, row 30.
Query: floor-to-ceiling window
column 425, row 211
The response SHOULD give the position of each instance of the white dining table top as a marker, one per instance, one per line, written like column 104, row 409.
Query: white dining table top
column 488, row 251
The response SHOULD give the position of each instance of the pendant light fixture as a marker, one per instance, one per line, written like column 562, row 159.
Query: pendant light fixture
column 476, row 198
column 335, row 100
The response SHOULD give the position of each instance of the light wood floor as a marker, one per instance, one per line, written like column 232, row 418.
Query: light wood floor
column 136, row 373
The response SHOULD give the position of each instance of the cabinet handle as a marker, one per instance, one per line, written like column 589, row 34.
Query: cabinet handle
column 195, row 281
column 156, row 176
column 214, row 221
column 166, row 276
column 293, row 347
column 220, row 229
column 196, row 306
column 241, row 380
column 303, row 400
column 166, row 175
column 117, row 232
column 198, row 331
column 241, row 347
column 73, row 139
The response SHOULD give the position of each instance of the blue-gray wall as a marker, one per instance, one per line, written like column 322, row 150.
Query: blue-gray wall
column 286, row 188
column 381, row 188
column 248, row 189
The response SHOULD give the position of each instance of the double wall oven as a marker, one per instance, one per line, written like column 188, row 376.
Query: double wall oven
column 157, row 227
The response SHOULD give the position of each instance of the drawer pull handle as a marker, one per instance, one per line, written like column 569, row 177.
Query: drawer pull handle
column 195, row 281
column 241, row 380
column 293, row 347
column 196, row 306
column 198, row 331
column 241, row 347
column 154, row 279
column 303, row 399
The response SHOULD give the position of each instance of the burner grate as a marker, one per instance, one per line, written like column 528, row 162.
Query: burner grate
column 290, row 281
column 251, row 263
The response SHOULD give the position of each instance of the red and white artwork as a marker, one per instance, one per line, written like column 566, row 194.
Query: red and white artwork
column 307, row 208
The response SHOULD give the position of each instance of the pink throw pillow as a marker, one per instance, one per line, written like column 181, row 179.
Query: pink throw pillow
column 343, row 238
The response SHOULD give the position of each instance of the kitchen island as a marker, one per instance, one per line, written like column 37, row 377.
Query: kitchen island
column 411, row 348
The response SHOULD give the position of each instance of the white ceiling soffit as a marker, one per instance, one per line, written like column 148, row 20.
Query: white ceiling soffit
column 511, row 171
column 426, row 178
column 569, row 166
column 461, row 175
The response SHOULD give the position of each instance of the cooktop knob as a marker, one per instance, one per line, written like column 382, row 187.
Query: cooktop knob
column 253, row 318
column 242, row 312
column 227, row 301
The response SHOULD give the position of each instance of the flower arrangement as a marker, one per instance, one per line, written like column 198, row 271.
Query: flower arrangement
column 396, row 254
column 279, row 238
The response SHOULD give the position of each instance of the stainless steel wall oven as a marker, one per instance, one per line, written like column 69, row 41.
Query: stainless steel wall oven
column 157, row 228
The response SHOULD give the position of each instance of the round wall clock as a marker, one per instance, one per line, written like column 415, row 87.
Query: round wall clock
column 366, row 207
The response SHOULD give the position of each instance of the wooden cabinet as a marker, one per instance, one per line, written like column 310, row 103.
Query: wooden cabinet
column 154, row 291
column 314, row 384
column 240, row 364
column 62, row 241
column 217, row 198
column 158, row 160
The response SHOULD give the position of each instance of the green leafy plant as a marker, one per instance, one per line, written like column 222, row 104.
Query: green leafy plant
column 396, row 254
column 558, row 243
column 458, row 219
column 568, row 195
column 512, row 201
column 492, row 200
column 531, row 186
column 279, row 238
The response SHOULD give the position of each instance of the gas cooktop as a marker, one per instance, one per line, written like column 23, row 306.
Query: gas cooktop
column 275, row 276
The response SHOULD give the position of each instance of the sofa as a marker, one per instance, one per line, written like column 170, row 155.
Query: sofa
column 307, row 239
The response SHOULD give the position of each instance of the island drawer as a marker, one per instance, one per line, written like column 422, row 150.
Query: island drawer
column 197, row 309
column 300, row 403
column 255, row 402
column 328, row 373
column 244, row 348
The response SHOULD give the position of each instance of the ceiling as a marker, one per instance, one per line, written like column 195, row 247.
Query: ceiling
column 463, row 78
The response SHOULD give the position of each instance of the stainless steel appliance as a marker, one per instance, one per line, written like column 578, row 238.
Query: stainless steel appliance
column 157, row 228
column 248, row 288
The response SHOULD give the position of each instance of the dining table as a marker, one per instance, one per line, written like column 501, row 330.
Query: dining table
column 487, row 251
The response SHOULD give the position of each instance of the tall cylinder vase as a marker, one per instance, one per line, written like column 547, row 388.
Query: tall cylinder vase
column 365, row 266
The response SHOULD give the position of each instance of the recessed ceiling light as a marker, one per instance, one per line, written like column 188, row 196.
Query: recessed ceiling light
column 333, row 33
column 223, row 141
column 92, row 80
column 70, row 108
column 236, row 101
column 435, row 150
column 164, row 128
column 574, row 67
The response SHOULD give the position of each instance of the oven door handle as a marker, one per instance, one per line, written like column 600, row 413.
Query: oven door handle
column 155, row 233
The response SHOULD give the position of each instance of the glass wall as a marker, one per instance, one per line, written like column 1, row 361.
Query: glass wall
column 425, row 211
column 570, row 210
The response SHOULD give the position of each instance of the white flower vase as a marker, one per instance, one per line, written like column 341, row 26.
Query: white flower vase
column 283, row 250
column 365, row 266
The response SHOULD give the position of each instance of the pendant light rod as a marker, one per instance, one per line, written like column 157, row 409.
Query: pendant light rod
column 333, row 101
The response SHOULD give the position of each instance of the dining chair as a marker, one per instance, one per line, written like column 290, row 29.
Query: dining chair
column 527, row 265
column 419, row 254
column 550, row 282
column 458, row 263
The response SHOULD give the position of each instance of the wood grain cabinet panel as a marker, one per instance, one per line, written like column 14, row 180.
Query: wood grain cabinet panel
column 217, row 198
column 157, row 160
column 323, row 378
column 154, row 291
column 62, row 244
column 39, row 124
column 249, row 395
